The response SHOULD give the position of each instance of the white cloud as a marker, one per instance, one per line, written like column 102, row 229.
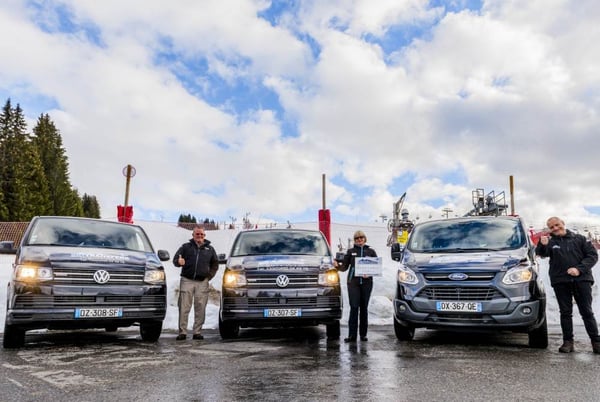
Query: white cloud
column 465, row 100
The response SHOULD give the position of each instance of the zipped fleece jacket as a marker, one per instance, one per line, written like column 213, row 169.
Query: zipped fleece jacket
column 350, row 257
column 200, row 261
column 570, row 250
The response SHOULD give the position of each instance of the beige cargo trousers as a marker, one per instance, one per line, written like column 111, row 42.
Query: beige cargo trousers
column 194, row 293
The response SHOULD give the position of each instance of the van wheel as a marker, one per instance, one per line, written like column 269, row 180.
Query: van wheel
column 403, row 333
column 333, row 330
column 538, row 338
column 228, row 329
column 14, row 337
column 150, row 330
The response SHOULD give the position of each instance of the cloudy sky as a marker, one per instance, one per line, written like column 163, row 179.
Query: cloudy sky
column 228, row 108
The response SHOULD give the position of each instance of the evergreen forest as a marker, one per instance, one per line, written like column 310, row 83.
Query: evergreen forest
column 34, row 171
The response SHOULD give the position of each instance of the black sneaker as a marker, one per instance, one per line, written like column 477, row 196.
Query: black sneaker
column 181, row 337
column 596, row 347
column 197, row 337
column 566, row 347
column 364, row 338
column 350, row 339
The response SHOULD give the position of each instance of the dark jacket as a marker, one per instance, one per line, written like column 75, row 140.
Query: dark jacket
column 570, row 250
column 349, row 260
column 200, row 261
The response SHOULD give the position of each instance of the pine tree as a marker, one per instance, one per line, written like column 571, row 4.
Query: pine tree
column 34, row 177
column 5, row 116
column 48, row 142
column 3, row 208
column 77, row 203
column 91, row 208
column 23, row 182
column 187, row 218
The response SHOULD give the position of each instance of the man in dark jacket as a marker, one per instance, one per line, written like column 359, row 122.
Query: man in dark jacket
column 572, row 257
column 359, row 287
column 199, row 264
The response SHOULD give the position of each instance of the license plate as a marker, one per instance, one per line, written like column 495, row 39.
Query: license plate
column 282, row 312
column 461, row 307
column 98, row 312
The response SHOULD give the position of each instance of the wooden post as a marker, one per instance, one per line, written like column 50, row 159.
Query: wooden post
column 512, row 196
column 323, row 185
column 128, row 180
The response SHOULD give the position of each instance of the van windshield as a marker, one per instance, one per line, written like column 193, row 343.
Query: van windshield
column 467, row 235
column 271, row 242
column 56, row 231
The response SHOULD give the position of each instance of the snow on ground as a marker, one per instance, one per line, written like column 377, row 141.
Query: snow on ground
column 169, row 237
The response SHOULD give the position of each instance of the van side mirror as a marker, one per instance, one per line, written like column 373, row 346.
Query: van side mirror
column 222, row 258
column 339, row 256
column 396, row 251
column 163, row 255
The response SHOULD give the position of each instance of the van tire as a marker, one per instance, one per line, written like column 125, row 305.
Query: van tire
column 228, row 329
column 538, row 338
column 333, row 330
column 14, row 337
column 403, row 333
column 150, row 330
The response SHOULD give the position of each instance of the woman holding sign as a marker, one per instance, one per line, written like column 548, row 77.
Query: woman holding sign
column 359, row 285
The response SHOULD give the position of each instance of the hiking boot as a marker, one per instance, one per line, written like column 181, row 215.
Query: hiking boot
column 181, row 337
column 197, row 337
column 567, row 347
column 596, row 347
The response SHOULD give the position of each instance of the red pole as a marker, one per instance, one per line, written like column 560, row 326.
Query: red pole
column 325, row 218
column 125, row 212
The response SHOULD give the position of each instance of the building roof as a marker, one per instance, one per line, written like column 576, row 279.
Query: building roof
column 12, row 232
column 191, row 225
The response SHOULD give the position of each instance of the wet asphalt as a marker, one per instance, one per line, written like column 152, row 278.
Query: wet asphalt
column 297, row 365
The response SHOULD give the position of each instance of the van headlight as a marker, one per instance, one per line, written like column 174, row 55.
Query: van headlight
column 516, row 275
column 154, row 276
column 329, row 278
column 234, row 279
column 407, row 276
column 31, row 273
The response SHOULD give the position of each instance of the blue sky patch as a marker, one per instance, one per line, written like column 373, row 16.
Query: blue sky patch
column 400, row 184
column 398, row 37
column 314, row 46
column 33, row 103
column 592, row 209
column 240, row 96
column 276, row 9
column 60, row 19
column 455, row 6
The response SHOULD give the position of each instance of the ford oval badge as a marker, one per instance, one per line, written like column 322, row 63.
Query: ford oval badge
column 458, row 276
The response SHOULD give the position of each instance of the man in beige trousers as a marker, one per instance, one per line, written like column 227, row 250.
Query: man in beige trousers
column 199, row 264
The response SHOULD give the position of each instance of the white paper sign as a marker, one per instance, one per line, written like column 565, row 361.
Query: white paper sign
column 371, row 266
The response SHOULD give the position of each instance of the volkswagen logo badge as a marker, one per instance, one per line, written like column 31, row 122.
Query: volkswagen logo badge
column 101, row 276
column 282, row 281
column 458, row 276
